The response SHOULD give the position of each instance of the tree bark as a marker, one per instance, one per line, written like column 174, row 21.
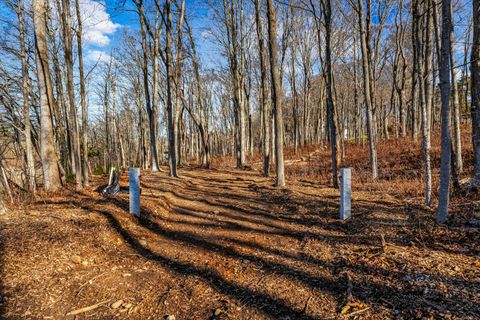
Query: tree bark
column 475, row 89
column 276, row 92
column 264, row 91
column 202, row 117
column 150, row 111
column 66, row 18
column 444, row 194
column 327, row 14
column 83, row 99
column 47, row 149
column 424, row 81
column 30, row 164
column 172, row 157
column 367, row 89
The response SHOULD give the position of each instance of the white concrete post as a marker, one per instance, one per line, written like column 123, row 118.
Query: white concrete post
column 134, row 182
column 345, row 193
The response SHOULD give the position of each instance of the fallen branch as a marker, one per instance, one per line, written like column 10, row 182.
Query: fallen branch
column 383, row 242
column 86, row 309
column 357, row 312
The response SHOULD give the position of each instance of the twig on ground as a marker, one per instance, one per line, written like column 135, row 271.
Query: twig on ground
column 89, row 308
column 90, row 281
column 357, row 312
column 384, row 244
column 306, row 304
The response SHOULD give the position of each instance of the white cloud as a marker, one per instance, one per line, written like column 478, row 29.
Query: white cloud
column 97, row 24
column 97, row 55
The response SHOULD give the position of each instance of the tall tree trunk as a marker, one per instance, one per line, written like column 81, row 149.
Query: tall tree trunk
column 151, row 114
column 66, row 18
column 276, row 92
column 264, row 91
column 83, row 100
column 457, row 138
column 155, row 94
column 178, row 70
column 48, row 155
column 202, row 117
column 30, row 164
column 367, row 89
column 426, row 102
column 172, row 157
column 327, row 14
column 475, row 88
column 444, row 194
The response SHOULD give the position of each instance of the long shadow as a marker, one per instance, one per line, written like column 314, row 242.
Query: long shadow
column 325, row 284
column 191, row 239
column 307, row 279
column 261, row 301
column 257, row 211
column 363, row 209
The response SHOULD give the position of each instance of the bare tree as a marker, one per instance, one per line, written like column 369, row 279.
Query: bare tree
column 264, row 90
column 172, row 159
column 276, row 92
column 30, row 164
column 444, row 194
column 48, row 154
column 150, row 110
column 327, row 14
column 66, row 24
column 475, row 89
column 367, row 88
column 83, row 98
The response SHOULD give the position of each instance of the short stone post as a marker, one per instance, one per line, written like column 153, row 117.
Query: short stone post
column 345, row 193
column 134, row 182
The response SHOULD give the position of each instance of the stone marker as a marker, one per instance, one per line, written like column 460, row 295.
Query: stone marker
column 345, row 193
column 134, row 182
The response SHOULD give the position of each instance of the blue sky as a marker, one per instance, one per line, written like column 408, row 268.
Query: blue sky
column 125, row 17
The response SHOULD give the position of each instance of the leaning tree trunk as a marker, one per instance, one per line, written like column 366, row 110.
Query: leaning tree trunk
column 48, row 155
column 276, row 92
column 442, row 211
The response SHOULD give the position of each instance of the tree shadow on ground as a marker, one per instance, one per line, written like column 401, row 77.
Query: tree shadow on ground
column 371, row 293
column 223, row 233
column 266, row 205
column 270, row 305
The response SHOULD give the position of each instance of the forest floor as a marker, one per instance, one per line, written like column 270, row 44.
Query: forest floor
column 226, row 244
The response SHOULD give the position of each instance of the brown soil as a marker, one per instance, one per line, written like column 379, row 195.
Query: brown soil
column 226, row 244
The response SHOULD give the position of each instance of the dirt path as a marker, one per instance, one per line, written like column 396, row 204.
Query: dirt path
column 227, row 245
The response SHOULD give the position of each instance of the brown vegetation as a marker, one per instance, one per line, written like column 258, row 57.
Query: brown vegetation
column 226, row 244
